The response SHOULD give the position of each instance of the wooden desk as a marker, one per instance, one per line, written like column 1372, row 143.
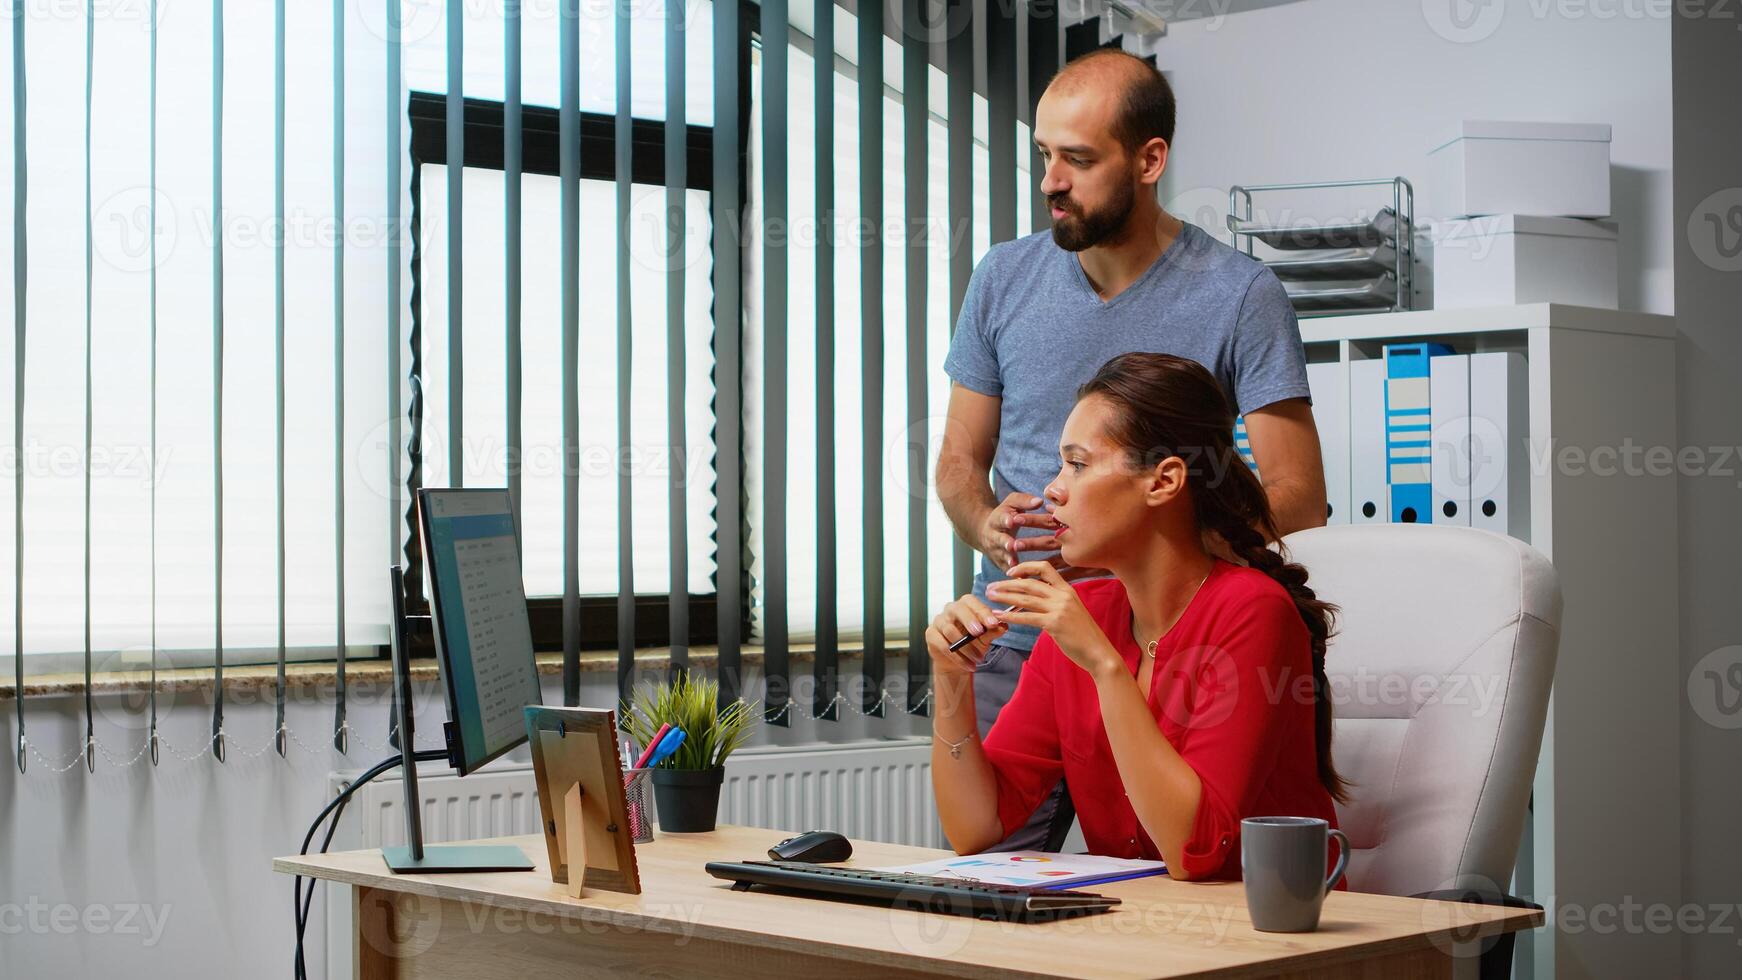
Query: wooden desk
column 522, row 926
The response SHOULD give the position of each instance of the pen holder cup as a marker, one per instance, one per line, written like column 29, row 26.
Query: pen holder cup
column 638, row 800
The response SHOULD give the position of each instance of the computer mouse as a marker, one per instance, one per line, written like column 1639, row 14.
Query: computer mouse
column 813, row 847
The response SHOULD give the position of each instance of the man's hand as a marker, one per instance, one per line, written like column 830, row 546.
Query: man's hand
column 998, row 540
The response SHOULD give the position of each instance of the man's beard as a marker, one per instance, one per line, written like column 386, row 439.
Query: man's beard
column 1075, row 233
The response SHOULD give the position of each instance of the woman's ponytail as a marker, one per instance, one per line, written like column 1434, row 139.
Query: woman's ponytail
column 1241, row 516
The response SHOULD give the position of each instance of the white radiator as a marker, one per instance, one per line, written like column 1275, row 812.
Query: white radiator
column 877, row 789
column 495, row 802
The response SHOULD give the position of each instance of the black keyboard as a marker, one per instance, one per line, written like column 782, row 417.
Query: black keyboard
column 949, row 896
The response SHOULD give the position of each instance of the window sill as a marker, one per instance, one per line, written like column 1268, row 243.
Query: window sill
column 324, row 674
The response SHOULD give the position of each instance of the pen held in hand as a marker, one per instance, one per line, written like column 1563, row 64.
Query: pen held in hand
column 971, row 637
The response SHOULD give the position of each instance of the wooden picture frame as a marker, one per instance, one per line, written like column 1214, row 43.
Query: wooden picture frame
column 584, row 812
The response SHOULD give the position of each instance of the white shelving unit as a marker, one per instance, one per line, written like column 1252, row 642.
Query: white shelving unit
column 1606, row 817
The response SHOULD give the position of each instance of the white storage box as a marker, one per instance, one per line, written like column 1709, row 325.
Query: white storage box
column 1507, row 259
column 1523, row 168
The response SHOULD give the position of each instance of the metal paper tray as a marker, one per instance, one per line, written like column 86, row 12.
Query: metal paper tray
column 1382, row 229
column 1378, row 294
column 1341, row 265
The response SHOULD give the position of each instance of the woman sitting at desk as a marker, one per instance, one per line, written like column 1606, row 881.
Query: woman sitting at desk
column 1176, row 698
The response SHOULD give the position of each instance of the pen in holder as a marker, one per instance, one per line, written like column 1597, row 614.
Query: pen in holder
column 638, row 797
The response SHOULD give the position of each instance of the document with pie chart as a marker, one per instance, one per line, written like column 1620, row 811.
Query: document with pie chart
column 1034, row 869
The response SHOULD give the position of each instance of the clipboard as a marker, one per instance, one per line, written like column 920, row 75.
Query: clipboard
column 585, row 816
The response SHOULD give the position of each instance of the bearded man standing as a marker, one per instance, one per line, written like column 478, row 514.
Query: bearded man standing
column 1115, row 274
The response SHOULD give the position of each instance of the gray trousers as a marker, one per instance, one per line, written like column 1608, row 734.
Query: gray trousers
column 994, row 684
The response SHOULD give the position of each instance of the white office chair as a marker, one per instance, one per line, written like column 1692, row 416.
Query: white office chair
column 1440, row 672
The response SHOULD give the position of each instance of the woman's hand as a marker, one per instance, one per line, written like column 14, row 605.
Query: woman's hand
column 967, row 616
column 1040, row 597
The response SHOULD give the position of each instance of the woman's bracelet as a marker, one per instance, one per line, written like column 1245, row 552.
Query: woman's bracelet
column 955, row 747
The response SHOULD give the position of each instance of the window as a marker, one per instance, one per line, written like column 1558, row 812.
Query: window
column 485, row 450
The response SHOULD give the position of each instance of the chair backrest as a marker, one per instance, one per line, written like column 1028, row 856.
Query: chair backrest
column 1440, row 671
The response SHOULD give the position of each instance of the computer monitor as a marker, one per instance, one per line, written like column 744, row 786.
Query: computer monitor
column 484, row 651
column 483, row 640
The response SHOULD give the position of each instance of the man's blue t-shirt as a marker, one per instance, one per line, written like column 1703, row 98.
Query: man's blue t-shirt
column 1032, row 330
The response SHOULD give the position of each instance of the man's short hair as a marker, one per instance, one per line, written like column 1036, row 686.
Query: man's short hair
column 1146, row 110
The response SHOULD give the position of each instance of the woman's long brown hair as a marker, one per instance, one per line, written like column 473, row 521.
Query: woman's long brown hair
column 1171, row 406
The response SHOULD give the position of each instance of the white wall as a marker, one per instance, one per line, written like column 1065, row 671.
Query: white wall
column 1342, row 89
column 193, row 841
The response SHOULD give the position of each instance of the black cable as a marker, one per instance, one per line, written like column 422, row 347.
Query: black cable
column 326, row 841
column 298, row 913
column 300, row 899
column 307, row 899
column 299, row 904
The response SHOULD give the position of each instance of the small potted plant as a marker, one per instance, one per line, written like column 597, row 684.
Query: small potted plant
column 686, row 784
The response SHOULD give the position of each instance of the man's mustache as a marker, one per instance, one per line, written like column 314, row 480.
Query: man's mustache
column 1063, row 204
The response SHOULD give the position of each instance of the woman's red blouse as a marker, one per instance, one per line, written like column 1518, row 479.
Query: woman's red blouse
column 1232, row 691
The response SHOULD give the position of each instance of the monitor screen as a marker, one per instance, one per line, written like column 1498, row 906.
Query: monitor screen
column 478, row 605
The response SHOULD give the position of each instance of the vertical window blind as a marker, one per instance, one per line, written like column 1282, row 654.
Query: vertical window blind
column 680, row 276
column 887, row 395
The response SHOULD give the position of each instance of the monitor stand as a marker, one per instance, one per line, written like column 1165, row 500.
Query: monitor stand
column 415, row 857
column 440, row 858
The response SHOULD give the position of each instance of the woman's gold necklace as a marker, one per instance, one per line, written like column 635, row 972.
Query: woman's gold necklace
column 1149, row 648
